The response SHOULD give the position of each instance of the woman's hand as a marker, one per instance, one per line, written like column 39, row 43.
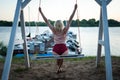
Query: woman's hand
column 75, row 6
column 40, row 9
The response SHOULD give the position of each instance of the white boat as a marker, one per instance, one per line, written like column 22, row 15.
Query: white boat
column 43, row 43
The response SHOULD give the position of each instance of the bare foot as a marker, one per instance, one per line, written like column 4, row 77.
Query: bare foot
column 60, row 70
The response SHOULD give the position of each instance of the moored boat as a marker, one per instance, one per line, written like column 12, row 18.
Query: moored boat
column 44, row 42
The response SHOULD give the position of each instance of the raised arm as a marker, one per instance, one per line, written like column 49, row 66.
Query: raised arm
column 70, row 19
column 45, row 19
column 72, row 15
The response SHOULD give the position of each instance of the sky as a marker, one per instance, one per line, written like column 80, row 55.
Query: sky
column 59, row 9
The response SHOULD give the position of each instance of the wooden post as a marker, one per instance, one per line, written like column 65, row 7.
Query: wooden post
column 8, row 60
column 24, row 38
column 100, row 35
column 7, row 65
column 103, row 4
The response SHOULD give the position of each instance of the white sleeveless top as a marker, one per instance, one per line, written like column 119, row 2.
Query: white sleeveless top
column 59, row 38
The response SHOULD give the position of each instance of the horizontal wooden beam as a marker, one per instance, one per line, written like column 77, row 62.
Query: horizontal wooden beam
column 101, row 42
column 57, row 57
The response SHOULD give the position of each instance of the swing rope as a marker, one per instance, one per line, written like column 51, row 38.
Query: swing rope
column 37, row 29
column 35, row 57
column 78, row 25
column 29, row 35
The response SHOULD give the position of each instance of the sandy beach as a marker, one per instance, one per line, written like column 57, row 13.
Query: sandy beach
column 74, row 69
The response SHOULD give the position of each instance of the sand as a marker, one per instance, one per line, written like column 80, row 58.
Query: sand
column 78, row 69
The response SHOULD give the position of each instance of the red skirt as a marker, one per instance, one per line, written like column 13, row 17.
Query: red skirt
column 60, row 48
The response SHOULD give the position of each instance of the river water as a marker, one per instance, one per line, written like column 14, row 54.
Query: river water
column 88, row 38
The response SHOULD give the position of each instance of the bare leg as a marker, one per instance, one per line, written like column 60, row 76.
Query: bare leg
column 60, row 61
column 59, row 64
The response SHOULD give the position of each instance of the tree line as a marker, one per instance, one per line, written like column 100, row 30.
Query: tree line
column 75, row 23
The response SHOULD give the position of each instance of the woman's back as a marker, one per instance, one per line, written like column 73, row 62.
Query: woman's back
column 59, row 37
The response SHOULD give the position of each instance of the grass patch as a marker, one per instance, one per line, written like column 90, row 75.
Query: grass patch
column 22, row 60
column 18, row 60
column 43, row 61
column 65, row 59
column 80, row 59
column 2, row 60
column 20, row 69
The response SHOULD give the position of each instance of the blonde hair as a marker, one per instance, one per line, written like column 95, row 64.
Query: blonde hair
column 59, row 25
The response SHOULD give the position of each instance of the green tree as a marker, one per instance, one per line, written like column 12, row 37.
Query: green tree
column 83, row 22
column 91, row 22
column 113, row 22
column 73, row 23
column 3, row 49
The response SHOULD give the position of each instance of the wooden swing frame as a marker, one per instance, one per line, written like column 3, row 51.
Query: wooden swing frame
column 103, row 29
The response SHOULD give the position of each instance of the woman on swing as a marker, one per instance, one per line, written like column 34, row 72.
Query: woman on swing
column 59, row 34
